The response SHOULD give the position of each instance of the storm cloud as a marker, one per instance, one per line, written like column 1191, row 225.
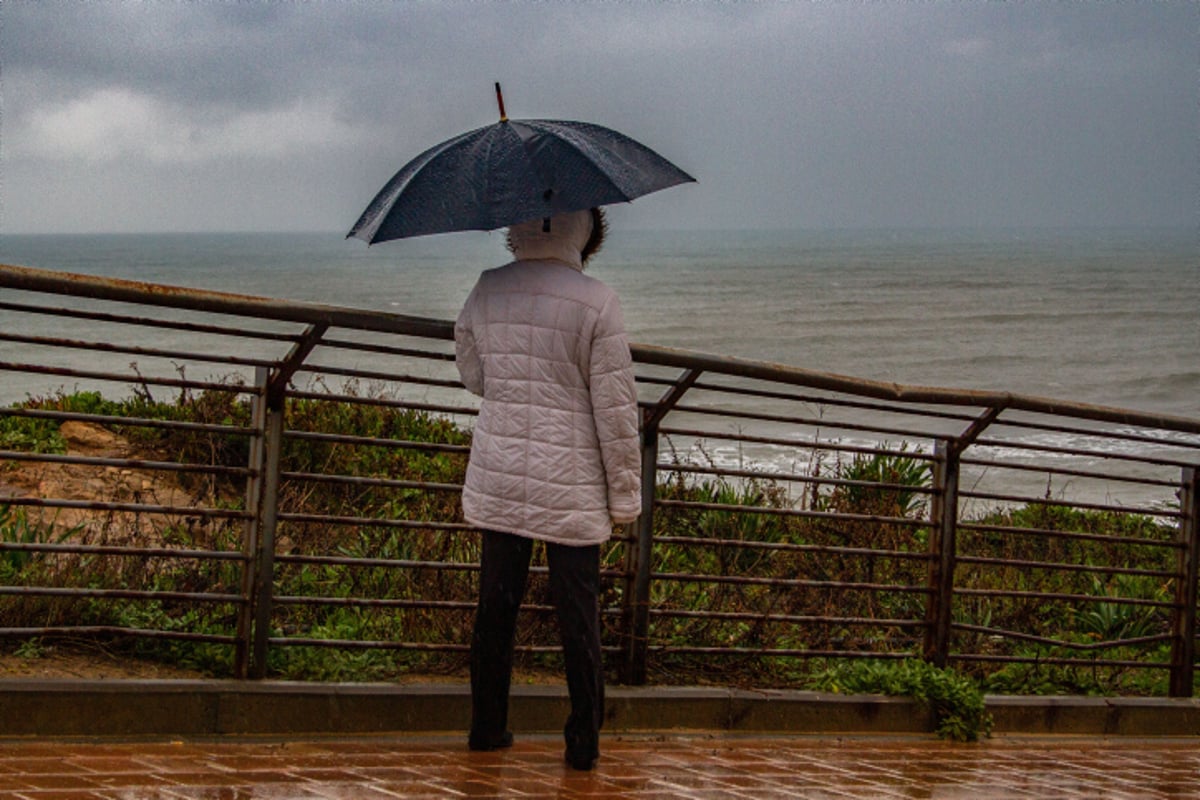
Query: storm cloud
column 121, row 116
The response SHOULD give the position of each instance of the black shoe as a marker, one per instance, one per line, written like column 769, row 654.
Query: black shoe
column 489, row 743
column 581, row 761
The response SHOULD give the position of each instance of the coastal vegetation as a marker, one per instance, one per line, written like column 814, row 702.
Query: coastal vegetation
column 755, row 584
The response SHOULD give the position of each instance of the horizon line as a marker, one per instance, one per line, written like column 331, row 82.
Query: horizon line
column 657, row 229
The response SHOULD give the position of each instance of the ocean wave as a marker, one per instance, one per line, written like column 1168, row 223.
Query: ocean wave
column 1035, row 458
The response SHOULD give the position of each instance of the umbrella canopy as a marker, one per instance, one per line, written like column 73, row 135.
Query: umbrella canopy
column 510, row 172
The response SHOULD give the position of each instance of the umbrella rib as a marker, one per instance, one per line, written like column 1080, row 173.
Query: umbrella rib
column 569, row 142
column 395, row 187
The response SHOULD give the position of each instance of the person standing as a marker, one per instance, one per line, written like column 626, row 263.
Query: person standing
column 555, row 457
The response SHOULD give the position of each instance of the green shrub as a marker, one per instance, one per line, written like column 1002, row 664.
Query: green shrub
column 896, row 469
column 17, row 529
column 1109, row 621
column 955, row 701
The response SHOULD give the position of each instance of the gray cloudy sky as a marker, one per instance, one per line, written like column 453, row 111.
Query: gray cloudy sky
column 175, row 116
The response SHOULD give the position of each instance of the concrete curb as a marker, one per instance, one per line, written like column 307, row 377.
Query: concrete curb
column 244, row 708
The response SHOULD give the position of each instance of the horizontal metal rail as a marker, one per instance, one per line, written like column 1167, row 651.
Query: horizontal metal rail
column 129, row 350
column 125, row 594
column 1078, row 598
column 1061, row 567
column 81, row 631
column 1065, row 645
column 126, row 463
column 1082, row 536
column 374, row 522
column 812, row 422
column 383, row 349
column 1085, row 453
column 133, row 508
column 788, row 477
column 1077, row 504
column 1069, row 472
column 831, row 401
column 789, row 547
column 366, row 374
column 177, row 553
column 362, row 561
column 787, row 583
column 1057, row 661
column 791, row 512
column 131, row 422
column 790, row 619
column 117, row 289
column 777, row 652
column 368, row 441
column 358, row 480
column 115, row 377
column 350, row 399
column 162, row 324
column 829, row 446
column 1116, row 436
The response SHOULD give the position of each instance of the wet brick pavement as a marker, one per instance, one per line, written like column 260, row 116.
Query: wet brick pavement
column 694, row 767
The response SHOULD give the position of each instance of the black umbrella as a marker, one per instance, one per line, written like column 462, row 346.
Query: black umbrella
column 510, row 172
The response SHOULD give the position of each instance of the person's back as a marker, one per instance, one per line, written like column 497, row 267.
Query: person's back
column 557, row 452
column 555, row 456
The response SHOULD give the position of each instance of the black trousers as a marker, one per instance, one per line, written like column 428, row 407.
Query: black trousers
column 574, row 588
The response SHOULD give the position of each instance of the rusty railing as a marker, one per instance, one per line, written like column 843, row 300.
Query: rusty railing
column 792, row 516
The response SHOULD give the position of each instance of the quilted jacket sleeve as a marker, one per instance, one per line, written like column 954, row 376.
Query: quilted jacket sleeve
column 614, row 408
column 466, row 356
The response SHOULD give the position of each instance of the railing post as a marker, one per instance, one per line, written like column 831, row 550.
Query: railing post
column 253, row 526
column 1183, row 646
column 262, row 500
column 268, row 513
column 273, row 387
column 637, row 568
column 639, row 556
column 942, row 549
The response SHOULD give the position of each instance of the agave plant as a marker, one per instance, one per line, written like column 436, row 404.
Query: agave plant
column 887, row 470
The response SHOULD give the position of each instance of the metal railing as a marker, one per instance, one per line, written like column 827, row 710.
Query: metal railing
column 309, row 489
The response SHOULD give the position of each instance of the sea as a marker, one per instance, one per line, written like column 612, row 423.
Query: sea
column 1107, row 316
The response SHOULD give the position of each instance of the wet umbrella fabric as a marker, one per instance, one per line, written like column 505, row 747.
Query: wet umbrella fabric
column 510, row 172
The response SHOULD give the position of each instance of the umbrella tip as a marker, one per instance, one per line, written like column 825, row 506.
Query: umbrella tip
column 500, row 102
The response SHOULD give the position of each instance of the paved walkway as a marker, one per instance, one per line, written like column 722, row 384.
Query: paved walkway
column 648, row 768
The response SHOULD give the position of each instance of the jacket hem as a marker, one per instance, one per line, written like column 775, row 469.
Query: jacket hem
column 575, row 541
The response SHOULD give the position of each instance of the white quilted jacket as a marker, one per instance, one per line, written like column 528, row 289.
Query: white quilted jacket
column 556, row 453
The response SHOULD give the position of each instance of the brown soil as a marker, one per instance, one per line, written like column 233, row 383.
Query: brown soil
column 54, row 662
column 87, row 483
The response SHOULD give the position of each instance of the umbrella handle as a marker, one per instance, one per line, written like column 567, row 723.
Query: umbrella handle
column 500, row 102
